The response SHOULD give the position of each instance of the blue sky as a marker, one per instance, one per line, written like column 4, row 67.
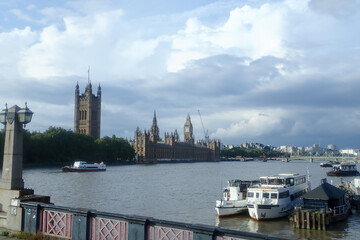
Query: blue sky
column 282, row 72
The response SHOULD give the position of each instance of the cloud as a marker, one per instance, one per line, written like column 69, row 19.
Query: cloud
column 12, row 45
column 340, row 9
column 278, row 72
column 250, row 32
column 20, row 14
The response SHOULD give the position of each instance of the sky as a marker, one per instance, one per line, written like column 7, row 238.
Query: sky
column 277, row 72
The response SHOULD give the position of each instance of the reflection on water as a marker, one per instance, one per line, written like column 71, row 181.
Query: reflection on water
column 347, row 229
column 278, row 227
column 180, row 192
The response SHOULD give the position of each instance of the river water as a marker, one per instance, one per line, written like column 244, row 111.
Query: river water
column 180, row 192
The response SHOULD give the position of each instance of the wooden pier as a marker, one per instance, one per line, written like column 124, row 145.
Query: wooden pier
column 311, row 219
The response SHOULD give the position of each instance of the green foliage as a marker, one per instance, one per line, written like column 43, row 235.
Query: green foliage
column 238, row 151
column 4, row 233
column 59, row 146
column 30, row 236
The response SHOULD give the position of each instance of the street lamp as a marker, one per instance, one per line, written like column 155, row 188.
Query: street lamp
column 21, row 115
column 14, row 119
column 25, row 115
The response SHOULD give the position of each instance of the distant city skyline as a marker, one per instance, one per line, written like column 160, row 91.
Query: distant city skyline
column 280, row 72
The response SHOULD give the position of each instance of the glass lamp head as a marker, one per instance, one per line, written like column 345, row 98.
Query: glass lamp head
column 25, row 115
column 3, row 114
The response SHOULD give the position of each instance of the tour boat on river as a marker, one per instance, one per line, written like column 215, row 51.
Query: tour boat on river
column 81, row 166
column 234, row 198
column 276, row 195
column 344, row 169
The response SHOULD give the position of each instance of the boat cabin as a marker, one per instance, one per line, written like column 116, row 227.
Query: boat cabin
column 283, row 180
column 345, row 167
column 237, row 189
column 329, row 198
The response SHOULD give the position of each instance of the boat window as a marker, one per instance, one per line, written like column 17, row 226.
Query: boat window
column 250, row 194
column 272, row 181
column 273, row 195
column 290, row 181
column 257, row 195
column 284, row 194
column 265, row 195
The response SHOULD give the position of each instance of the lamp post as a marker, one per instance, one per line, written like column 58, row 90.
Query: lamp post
column 13, row 118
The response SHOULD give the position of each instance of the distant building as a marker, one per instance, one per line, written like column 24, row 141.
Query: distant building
column 150, row 148
column 350, row 152
column 87, row 115
column 331, row 147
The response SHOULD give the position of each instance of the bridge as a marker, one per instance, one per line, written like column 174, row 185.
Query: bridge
column 321, row 158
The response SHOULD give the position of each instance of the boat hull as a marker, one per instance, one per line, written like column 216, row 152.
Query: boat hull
column 264, row 212
column 69, row 169
column 342, row 173
column 325, row 165
column 230, row 208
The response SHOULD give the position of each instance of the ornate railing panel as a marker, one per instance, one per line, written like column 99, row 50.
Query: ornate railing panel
column 166, row 233
column 107, row 229
column 56, row 223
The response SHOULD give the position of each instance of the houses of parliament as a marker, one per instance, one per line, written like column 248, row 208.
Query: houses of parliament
column 87, row 114
column 149, row 147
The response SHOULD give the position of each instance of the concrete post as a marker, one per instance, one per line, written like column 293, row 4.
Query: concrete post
column 11, row 177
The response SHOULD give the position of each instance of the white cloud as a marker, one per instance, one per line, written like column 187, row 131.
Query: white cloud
column 12, row 45
column 247, row 123
column 250, row 32
column 20, row 14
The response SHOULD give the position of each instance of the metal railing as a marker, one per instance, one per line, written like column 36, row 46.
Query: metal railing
column 83, row 224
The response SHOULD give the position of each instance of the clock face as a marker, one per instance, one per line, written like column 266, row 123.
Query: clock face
column 186, row 129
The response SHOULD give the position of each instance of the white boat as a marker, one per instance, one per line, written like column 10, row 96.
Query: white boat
column 81, row 166
column 234, row 198
column 275, row 195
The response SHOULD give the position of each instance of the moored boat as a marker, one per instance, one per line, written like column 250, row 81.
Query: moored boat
column 344, row 169
column 326, row 164
column 234, row 198
column 82, row 166
column 275, row 195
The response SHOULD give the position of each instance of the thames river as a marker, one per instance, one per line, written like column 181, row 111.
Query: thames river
column 183, row 192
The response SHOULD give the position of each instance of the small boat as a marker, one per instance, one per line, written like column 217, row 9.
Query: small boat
column 233, row 201
column 344, row 169
column 276, row 195
column 81, row 166
column 326, row 164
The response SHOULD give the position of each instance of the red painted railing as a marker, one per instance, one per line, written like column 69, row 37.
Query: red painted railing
column 54, row 223
column 166, row 233
column 109, row 229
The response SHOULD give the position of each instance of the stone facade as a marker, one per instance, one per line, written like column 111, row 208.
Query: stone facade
column 87, row 111
column 150, row 148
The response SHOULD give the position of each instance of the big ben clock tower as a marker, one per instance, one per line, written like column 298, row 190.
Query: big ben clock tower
column 188, row 131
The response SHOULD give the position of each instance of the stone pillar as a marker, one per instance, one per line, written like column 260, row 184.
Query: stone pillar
column 11, row 177
column 11, row 183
